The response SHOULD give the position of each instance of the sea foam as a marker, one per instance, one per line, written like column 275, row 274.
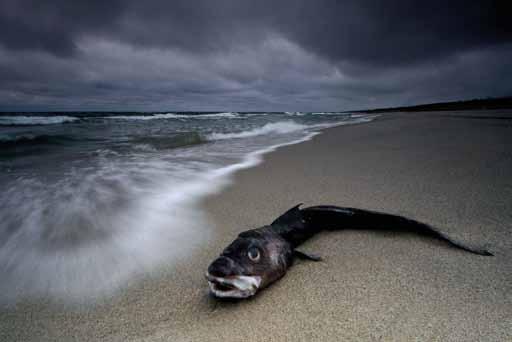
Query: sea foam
column 229, row 115
column 16, row 120
column 281, row 127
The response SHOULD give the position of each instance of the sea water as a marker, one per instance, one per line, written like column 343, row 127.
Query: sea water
column 90, row 200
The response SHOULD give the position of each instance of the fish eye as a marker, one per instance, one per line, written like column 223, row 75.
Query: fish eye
column 253, row 254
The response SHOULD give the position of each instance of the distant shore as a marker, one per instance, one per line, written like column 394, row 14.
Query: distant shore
column 452, row 171
column 475, row 104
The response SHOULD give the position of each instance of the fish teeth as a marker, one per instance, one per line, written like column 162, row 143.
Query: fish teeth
column 245, row 282
column 243, row 286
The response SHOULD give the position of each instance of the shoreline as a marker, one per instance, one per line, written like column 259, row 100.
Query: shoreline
column 100, row 268
column 372, row 286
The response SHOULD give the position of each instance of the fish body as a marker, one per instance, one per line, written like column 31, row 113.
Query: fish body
column 259, row 257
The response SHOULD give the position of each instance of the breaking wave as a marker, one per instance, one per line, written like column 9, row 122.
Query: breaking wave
column 295, row 113
column 229, row 115
column 16, row 120
column 281, row 127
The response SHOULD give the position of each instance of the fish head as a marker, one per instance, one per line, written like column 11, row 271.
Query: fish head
column 251, row 262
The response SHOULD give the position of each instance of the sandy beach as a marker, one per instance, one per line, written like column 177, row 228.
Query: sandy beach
column 452, row 170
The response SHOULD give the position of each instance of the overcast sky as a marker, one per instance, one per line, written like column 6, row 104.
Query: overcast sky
column 292, row 55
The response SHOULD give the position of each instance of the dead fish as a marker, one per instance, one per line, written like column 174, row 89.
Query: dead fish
column 261, row 256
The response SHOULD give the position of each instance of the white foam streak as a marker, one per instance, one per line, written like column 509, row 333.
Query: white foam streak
column 281, row 127
column 295, row 113
column 79, row 243
column 35, row 120
column 228, row 115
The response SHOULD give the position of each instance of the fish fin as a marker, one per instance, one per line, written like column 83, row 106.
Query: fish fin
column 289, row 217
column 306, row 256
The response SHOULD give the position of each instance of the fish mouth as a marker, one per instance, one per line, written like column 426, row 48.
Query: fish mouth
column 233, row 286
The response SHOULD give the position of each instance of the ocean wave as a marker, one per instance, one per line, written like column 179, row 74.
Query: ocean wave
column 280, row 127
column 95, row 232
column 152, row 144
column 283, row 127
column 21, row 145
column 31, row 139
column 255, row 114
column 16, row 120
column 229, row 115
column 330, row 113
column 141, row 117
column 98, row 232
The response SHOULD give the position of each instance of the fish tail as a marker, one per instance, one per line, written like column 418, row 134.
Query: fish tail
column 336, row 218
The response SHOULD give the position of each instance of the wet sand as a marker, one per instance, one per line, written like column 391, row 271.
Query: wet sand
column 451, row 170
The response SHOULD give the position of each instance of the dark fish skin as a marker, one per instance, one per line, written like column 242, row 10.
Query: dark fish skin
column 259, row 257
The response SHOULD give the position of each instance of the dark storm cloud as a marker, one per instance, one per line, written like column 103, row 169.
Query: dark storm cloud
column 397, row 32
column 53, row 25
column 386, row 32
column 293, row 54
